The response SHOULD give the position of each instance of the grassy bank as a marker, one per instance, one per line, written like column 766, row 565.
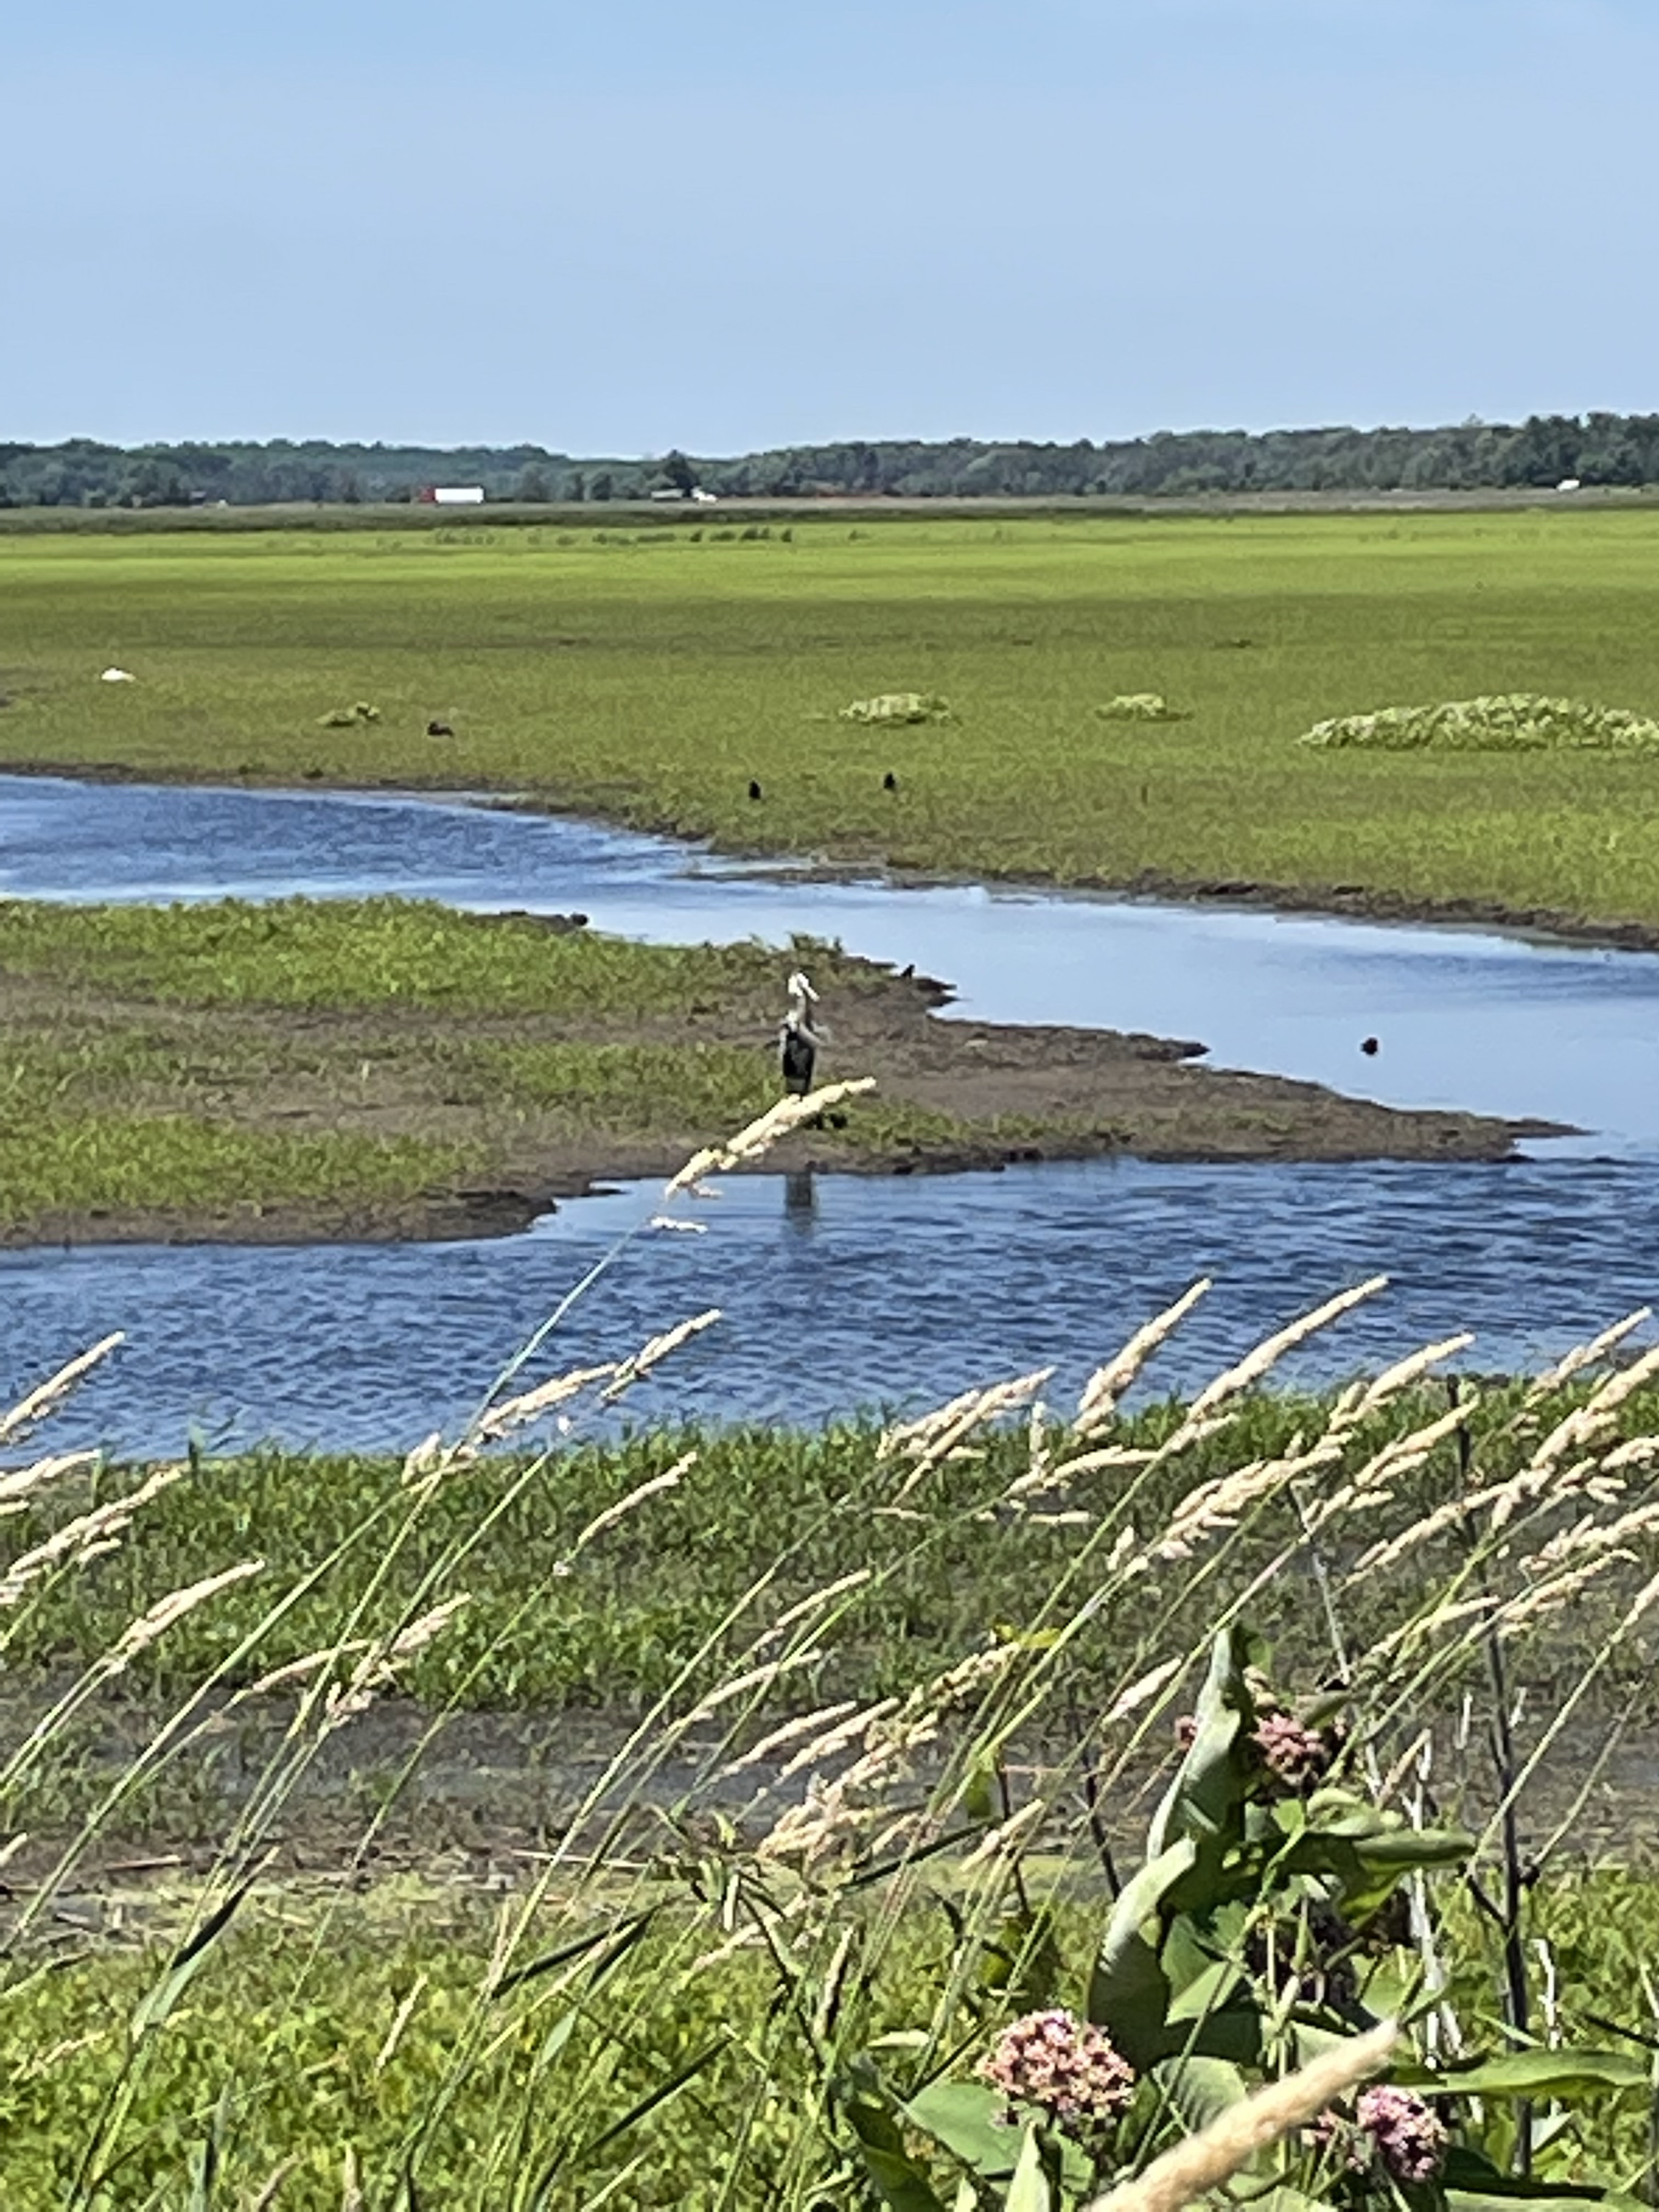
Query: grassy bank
column 364, row 1065
column 650, row 674
column 758, row 1522
column 375, row 1996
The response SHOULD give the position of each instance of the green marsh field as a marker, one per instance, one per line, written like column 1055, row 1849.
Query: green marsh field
column 649, row 673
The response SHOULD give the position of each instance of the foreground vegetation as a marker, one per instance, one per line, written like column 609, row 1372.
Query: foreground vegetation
column 322, row 2044
column 925, row 1945
column 650, row 675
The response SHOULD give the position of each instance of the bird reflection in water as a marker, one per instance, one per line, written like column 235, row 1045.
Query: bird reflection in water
column 801, row 1199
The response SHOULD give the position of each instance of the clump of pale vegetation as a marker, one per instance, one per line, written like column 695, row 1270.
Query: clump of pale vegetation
column 1139, row 707
column 898, row 707
column 1508, row 722
column 1036, row 1930
column 348, row 718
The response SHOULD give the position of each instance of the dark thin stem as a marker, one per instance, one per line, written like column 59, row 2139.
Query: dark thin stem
column 1017, row 1872
column 1089, row 1776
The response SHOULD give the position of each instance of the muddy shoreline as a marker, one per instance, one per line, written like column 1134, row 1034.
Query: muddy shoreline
column 488, row 1800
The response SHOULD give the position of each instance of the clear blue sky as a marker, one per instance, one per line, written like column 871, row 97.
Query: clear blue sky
column 630, row 224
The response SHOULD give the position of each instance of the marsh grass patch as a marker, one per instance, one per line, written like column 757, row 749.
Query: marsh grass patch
column 1512, row 722
column 1139, row 707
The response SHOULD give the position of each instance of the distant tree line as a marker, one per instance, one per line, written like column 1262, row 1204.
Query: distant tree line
column 1597, row 448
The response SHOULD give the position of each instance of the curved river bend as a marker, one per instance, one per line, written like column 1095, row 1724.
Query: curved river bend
column 842, row 1292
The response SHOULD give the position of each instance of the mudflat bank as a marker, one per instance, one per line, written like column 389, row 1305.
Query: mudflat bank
column 385, row 1070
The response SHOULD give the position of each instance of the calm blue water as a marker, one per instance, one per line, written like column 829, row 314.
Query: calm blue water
column 845, row 1292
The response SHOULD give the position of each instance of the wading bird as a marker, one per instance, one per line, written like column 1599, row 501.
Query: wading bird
column 798, row 1043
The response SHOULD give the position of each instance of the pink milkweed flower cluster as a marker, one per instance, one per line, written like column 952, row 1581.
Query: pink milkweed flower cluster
column 1391, row 2127
column 1409, row 2136
column 1295, row 1754
column 1069, row 2071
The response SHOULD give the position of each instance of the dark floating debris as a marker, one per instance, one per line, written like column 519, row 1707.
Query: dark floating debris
column 1369, row 1046
column 754, row 788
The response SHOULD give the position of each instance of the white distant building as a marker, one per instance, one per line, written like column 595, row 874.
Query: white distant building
column 455, row 495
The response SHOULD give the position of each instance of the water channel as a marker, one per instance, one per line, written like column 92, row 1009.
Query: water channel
column 842, row 1291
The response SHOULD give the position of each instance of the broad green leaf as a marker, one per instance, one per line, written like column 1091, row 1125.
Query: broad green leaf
column 1394, row 1988
column 1232, row 2033
column 1128, row 1990
column 1473, row 2183
column 1205, row 1803
column 980, row 1800
column 1207, row 1992
column 898, row 2180
column 1547, row 2194
column 1201, row 2089
column 1410, row 1849
column 1369, row 1863
column 1029, row 2189
column 1024, row 1963
column 1188, row 1956
column 963, row 2115
column 1214, row 2014
column 1286, row 2199
column 1566, row 2073
column 963, row 2118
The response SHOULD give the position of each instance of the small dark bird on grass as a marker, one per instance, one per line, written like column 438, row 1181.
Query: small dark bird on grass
column 754, row 788
column 437, row 729
column 1369, row 1046
column 889, row 781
